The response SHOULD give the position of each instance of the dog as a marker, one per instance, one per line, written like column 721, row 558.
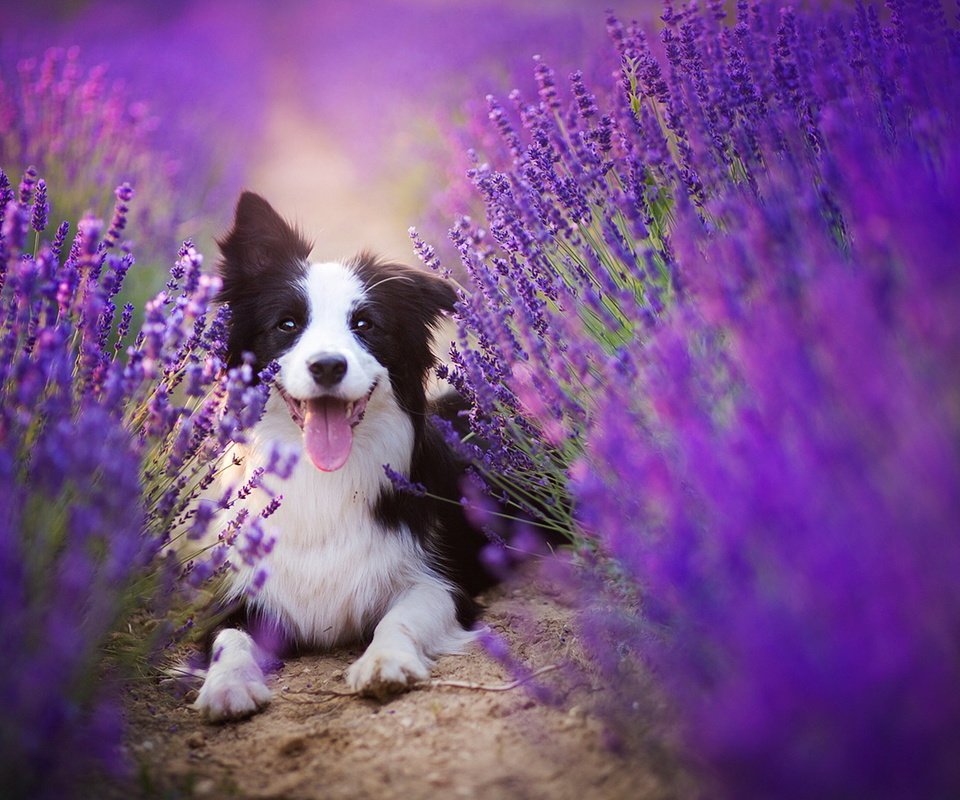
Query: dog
column 355, row 560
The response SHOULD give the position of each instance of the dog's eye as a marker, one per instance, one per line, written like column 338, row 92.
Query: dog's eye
column 287, row 325
column 362, row 324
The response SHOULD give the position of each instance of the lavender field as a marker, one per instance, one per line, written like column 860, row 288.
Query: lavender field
column 708, row 327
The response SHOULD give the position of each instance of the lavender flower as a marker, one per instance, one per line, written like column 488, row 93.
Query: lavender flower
column 26, row 186
column 41, row 208
column 124, row 195
column 56, row 246
column 761, row 527
column 402, row 483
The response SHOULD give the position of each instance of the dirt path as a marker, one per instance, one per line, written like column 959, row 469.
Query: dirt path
column 436, row 741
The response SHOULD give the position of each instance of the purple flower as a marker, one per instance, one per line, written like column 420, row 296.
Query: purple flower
column 124, row 195
column 203, row 515
column 427, row 254
column 402, row 483
column 65, row 116
column 41, row 208
column 26, row 186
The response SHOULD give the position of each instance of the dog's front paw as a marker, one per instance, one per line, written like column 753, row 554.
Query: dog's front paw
column 235, row 686
column 380, row 673
column 232, row 694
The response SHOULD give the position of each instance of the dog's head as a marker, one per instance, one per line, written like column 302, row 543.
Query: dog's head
column 338, row 330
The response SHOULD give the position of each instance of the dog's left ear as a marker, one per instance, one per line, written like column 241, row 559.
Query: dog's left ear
column 438, row 295
column 419, row 294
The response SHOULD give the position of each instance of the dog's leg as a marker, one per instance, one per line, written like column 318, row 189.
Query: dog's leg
column 235, row 685
column 419, row 626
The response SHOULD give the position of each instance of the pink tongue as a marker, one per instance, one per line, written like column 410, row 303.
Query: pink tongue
column 327, row 433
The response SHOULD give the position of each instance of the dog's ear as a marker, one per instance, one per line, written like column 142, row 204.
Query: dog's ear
column 413, row 293
column 259, row 240
column 438, row 296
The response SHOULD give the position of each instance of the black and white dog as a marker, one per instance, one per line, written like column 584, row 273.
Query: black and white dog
column 354, row 559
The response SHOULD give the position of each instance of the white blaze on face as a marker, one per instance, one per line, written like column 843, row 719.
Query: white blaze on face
column 333, row 292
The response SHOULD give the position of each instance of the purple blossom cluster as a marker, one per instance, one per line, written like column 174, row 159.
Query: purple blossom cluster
column 712, row 335
column 110, row 442
column 778, row 485
column 83, row 132
column 167, row 123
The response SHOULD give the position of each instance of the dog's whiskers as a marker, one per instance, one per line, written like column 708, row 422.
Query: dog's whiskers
column 387, row 280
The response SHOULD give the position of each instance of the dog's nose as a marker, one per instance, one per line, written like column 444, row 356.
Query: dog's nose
column 327, row 369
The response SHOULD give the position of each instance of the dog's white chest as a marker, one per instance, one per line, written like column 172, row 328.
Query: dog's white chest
column 333, row 575
column 334, row 569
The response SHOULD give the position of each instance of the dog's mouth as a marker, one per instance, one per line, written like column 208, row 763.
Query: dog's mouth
column 327, row 424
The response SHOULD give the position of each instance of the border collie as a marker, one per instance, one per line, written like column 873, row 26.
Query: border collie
column 354, row 560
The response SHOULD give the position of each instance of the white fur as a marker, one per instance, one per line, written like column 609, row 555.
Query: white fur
column 333, row 291
column 335, row 573
column 235, row 685
column 420, row 625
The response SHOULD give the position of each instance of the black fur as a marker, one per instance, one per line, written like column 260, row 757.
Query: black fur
column 456, row 550
column 264, row 259
column 406, row 305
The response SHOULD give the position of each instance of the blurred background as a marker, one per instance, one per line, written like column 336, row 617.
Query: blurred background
column 351, row 117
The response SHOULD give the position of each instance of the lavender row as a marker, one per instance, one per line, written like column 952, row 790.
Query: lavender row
column 711, row 336
column 110, row 444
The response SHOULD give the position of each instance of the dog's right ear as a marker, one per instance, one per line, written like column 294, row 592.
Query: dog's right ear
column 259, row 240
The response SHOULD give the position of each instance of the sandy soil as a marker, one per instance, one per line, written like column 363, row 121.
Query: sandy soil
column 435, row 741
